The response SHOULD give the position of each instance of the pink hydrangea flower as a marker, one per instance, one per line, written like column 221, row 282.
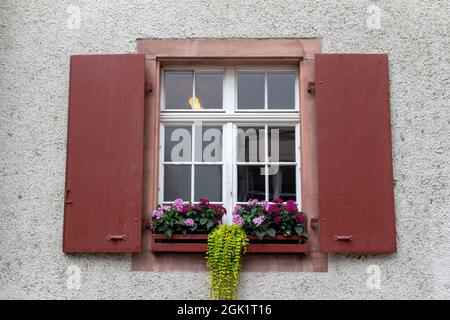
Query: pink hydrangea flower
column 237, row 219
column 252, row 202
column 189, row 222
column 178, row 204
column 264, row 204
column 158, row 214
column 278, row 200
column 259, row 220
column 236, row 209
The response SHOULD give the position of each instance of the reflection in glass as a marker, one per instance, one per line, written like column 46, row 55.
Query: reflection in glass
column 208, row 143
column 281, row 90
column 209, row 89
column 250, row 90
column 178, row 89
column 177, row 182
column 251, row 183
column 282, row 183
column 251, row 144
column 282, row 144
column 208, row 182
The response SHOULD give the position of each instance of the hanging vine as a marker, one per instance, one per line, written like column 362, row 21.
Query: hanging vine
column 226, row 245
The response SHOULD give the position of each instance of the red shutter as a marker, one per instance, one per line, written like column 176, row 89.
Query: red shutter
column 356, row 199
column 103, row 196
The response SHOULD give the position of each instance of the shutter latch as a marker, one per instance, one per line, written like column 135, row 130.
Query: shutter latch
column 343, row 238
column 116, row 237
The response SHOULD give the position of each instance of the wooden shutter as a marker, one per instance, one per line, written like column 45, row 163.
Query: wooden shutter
column 356, row 200
column 103, row 196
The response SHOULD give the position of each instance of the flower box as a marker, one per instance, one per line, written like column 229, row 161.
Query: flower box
column 178, row 243
column 196, row 243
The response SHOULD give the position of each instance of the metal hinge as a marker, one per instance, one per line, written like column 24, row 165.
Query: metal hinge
column 146, row 223
column 148, row 85
column 311, row 87
column 314, row 223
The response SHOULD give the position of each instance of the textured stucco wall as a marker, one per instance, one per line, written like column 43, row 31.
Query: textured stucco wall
column 35, row 45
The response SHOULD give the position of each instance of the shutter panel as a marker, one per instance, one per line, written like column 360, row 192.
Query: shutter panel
column 356, row 199
column 103, row 196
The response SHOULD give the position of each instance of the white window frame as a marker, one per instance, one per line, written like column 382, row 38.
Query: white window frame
column 230, row 118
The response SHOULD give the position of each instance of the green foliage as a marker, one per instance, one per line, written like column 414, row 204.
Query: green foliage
column 185, row 218
column 262, row 219
column 226, row 245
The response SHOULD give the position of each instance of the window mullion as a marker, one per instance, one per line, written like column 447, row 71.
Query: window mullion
column 266, row 161
column 192, row 162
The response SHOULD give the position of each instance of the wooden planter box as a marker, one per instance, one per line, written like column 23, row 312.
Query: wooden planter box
column 192, row 243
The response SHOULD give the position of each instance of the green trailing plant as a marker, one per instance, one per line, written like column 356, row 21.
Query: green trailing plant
column 226, row 245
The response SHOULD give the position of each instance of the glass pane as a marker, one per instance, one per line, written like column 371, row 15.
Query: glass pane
column 209, row 90
column 281, row 144
column 250, row 90
column 281, row 90
column 208, row 143
column 282, row 182
column 177, row 143
column 177, row 182
column 208, row 183
column 178, row 89
column 251, row 144
column 251, row 183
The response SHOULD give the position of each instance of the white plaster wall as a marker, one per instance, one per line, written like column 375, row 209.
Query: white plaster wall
column 35, row 45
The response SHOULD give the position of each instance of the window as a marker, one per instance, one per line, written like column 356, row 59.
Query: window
column 229, row 134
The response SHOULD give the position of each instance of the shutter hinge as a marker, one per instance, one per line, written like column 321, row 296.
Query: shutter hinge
column 311, row 87
column 147, row 223
column 148, row 85
column 314, row 223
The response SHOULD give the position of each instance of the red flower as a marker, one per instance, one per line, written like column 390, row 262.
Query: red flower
column 278, row 220
column 278, row 200
column 300, row 218
column 273, row 209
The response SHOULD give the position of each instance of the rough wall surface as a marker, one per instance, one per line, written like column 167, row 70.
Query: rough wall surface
column 36, row 40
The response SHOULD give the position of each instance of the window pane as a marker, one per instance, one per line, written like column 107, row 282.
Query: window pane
column 250, row 90
column 281, row 90
column 282, row 183
column 282, row 144
column 209, row 90
column 178, row 89
column 251, row 144
column 208, row 182
column 251, row 183
column 177, row 143
column 177, row 182
column 208, row 143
